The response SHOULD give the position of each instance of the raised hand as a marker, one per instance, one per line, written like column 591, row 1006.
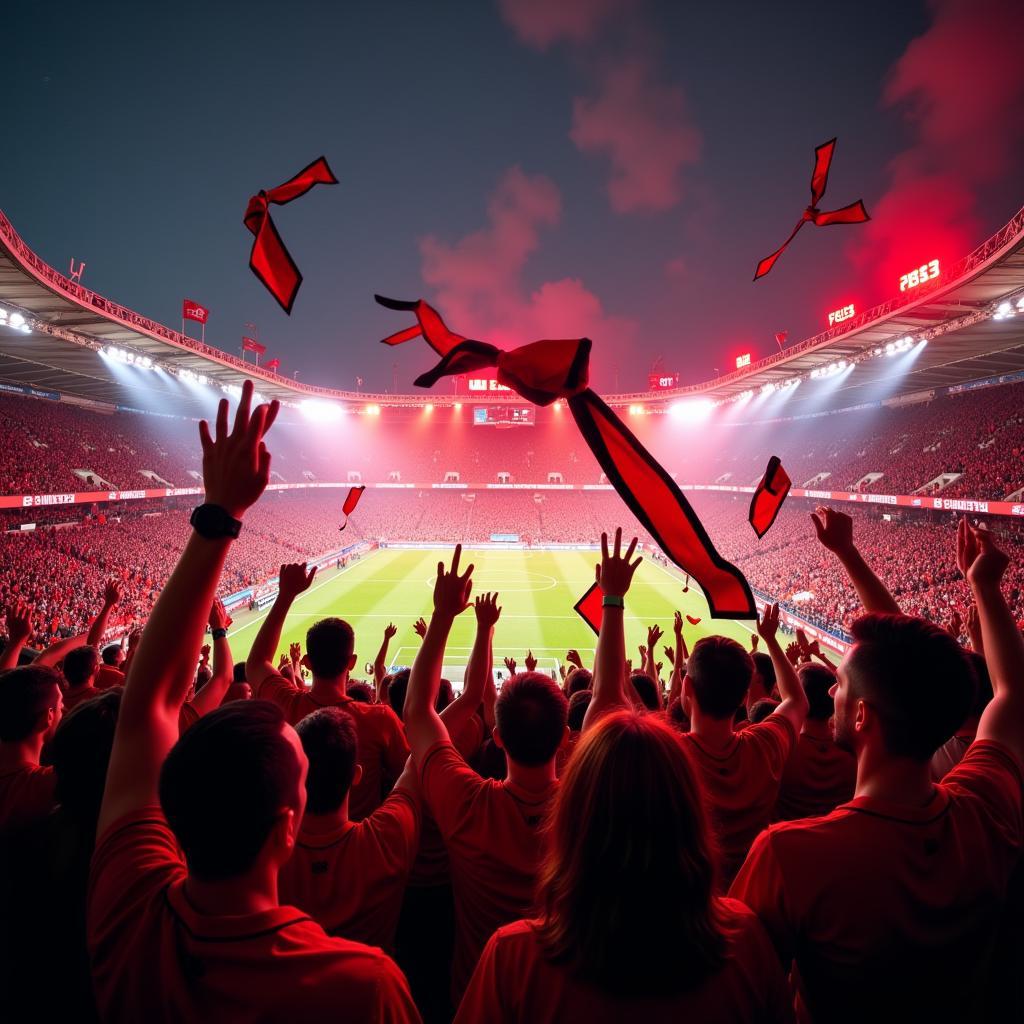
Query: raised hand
column 834, row 529
column 670, row 654
column 978, row 557
column 390, row 630
column 677, row 624
column 451, row 591
column 420, row 626
column 112, row 592
column 219, row 618
column 530, row 661
column 294, row 579
column 510, row 664
column 487, row 610
column 573, row 657
column 956, row 623
column 659, row 667
column 204, row 653
column 19, row 622
column 615, row 573
column 236, row 465
column 295, row 652
column 793, row 653
column 654, row 634
column 768, row 623
column 974, row 629
column 753, row 643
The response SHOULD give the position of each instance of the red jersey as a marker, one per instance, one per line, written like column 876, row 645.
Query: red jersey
column 382, row 745
column 818, row 777
column 742, row 784
column 109, row 676
column 155, row 958
column 493, row 833
column 72, row 698
column 894, row 907
column 351, row 881
column 26, row 796
column 513, row 982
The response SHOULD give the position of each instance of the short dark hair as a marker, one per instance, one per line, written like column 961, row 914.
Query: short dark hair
column 238, row 674
column 79, row 664
column 579, row 679
column 817, row 680
column 80, row 751
column 397, row 689
column 578, row 704
column 765, row 668
column 530, row 716
column 915, row 676
column 445, row 695
column 762, row 709
column 719, row 671
column 25, row 694
column 110, row 654
column 646, row 689
column 330, row 742
column 329, row 646
column 224, row 783
column 360, row 691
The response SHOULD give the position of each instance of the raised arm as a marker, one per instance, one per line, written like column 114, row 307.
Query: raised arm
column 614, row 575
column 209, row 698
column 19, row 629
column 794, row 703
column 236, row 467
column 423, row 725
column 835, row 532
column 111, row 595
column 478, row 669
column 680, row 656
column 984, row 564
column 380, row 662
column 292, row 580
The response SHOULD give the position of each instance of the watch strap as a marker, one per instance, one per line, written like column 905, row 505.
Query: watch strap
column 613, row 601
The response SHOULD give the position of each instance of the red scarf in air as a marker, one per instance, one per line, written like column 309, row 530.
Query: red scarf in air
column 855, row 213
column 545, row 371
column 351, row 500
column 270, row 260
column 768, row 498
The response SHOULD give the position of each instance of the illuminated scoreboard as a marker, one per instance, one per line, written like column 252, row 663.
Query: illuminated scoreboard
column 837, row 316
column 925, row 272
column 503, row 416
column 662, row 381
column 743, row 360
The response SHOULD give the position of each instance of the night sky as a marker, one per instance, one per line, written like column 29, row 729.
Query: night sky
column 536, row 167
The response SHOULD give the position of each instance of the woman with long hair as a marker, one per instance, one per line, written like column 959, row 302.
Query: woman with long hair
column 629, row 925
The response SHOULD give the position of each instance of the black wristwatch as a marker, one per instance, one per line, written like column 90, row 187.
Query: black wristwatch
column 218, row 634
column 213, row 523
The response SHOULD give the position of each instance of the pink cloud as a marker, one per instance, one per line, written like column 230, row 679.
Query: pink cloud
column 539, row 23
column 478, row 284
column 961, row 88
column 645, row 130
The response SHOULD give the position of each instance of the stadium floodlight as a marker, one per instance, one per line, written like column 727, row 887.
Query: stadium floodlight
column 458, row 406
column 767, row 389
column 146, row 363
column 15, row 320
column 1003, row 311
column 691, row 410
column 429, row 407
column 318, row 411
column 3, row 315
column 374, row 410
column 1020, row 304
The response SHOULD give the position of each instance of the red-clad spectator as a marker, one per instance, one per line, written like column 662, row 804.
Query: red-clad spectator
column 330, row 656
column 892, row 901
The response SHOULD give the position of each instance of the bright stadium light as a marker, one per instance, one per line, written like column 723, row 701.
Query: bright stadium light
column 1003, row 311
column 318, row 411
column 767, row 389
column 16, row 320
column 691, row 410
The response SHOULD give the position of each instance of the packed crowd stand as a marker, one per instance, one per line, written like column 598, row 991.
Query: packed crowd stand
column 977, row 436
column 747, row 835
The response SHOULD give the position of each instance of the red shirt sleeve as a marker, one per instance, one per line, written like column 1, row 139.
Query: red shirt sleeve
column 761, row 886
column 135, row 859
column 774, row 738
column 396, row 824
column 278, row 689
column 449, row 787
column 989, row 776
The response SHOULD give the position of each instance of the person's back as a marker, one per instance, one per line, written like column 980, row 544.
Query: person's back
column 630, row 928
column 819, row 775
column 741, row 769
column 349, row 876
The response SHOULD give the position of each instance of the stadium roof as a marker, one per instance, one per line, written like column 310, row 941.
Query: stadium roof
column 67, row 326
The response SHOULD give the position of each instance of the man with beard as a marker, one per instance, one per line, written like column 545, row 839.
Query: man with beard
column 890, row 903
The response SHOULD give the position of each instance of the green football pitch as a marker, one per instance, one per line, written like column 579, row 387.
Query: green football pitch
column 537, row 592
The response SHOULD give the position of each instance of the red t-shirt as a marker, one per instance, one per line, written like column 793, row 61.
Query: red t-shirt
column 351, row 881
column 742, row 784
column 382, row 745
column 26, row 796
column 109, row 676
column 513, row 982
column 818, row 777
column 493, row 833
column 155, row 958
column 892, row 907
column 72, row 698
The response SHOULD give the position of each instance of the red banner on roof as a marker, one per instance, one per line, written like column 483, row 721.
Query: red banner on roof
column 193, row 311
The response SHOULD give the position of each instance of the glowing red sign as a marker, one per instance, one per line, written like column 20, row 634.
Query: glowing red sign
column 484, row 384
column 925, row 272
column 837, row 316
column 743, row 360
column 662, row 381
